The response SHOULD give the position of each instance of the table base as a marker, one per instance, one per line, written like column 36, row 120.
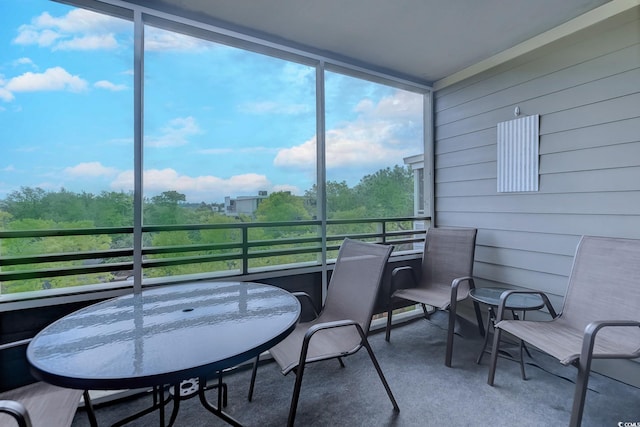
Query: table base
column 490, row 322
column 178, row 392
column 216, row 410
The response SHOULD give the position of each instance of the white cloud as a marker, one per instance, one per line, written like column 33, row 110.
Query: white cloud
column 80, row 29
column 43, row 38
column 297, row 74
column 300, row 156
column 93, row 42
column 104, row 84
column 53, row 79
column 5, row 95
column 9, row 168
column 401, row 105
column 156, row 39
column 175, row 133
column 374, row 139
column 198, row 188
column 90, row 169
column 78, row 21
column 24, row 61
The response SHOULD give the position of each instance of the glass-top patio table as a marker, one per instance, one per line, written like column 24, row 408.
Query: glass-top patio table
column 163, row 336
column 516, row 302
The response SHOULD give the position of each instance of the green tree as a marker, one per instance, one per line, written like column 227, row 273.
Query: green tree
column 50, row 245
column 26, row 203
column 340, row 198
column 282, row 206
column 386, row 193
column 63, row 205
column 111, row 209
column 5, row 218
column 164, row 209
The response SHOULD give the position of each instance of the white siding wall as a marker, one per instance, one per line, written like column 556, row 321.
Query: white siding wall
column 586, row 89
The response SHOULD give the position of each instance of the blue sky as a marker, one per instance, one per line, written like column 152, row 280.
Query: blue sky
column 218, row 121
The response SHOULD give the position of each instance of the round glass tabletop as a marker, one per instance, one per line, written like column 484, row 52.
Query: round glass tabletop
column 163, row 335
column 491, row 296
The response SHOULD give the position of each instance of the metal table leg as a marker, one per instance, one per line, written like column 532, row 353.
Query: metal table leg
column 490, row 317
column 217, row 411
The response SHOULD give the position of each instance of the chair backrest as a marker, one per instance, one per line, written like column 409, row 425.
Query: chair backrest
column 604, row 285
column 448, row 254
column 355, row 282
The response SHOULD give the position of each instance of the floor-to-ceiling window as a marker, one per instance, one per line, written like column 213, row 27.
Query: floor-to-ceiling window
column 223, row 128
column 371, row 127
column 66, row 134
column 231, row 132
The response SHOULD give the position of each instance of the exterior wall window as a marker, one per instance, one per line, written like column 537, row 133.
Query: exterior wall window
column 66, row 120
column 225, row 127
column 371, row 128
column 229, row 143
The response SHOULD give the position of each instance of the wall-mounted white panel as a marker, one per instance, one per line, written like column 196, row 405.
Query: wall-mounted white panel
column 518, row 154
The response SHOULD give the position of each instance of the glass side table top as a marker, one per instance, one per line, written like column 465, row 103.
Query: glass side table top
column 491, row 296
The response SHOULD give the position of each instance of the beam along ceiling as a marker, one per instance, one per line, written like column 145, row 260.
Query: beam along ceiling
column 421, row 40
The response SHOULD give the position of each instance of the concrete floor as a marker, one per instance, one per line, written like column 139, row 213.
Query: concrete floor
column 428, row 393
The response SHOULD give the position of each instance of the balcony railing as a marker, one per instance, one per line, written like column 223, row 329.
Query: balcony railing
column 239, row 253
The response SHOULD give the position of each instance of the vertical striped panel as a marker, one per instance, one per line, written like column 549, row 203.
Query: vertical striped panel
column 518, row 154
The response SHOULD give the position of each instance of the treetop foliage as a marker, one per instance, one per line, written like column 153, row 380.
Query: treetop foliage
column 385, row 193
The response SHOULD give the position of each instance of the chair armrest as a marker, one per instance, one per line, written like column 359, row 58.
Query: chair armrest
column 505, row 295
column 324, row 326
column 303, row 296
column 395, row 275
column 329, row 325
column 589, row 339
column 455, row 284
column 17, row 411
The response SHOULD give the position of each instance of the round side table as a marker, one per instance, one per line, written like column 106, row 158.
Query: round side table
column 516, row 303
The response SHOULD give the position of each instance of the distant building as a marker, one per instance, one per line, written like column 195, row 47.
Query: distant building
column 243, row 205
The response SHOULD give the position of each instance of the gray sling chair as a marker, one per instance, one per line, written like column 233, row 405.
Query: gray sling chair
column 342, row 326
column 39, row 404
column 600, row 317
column 447, row 269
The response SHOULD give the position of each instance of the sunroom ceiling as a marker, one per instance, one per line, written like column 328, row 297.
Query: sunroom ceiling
column 421, row 40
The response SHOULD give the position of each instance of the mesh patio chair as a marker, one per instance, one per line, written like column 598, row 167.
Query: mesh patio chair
column 446, row 278
column 342, row 326
column 599, row 319
column 39, row 404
